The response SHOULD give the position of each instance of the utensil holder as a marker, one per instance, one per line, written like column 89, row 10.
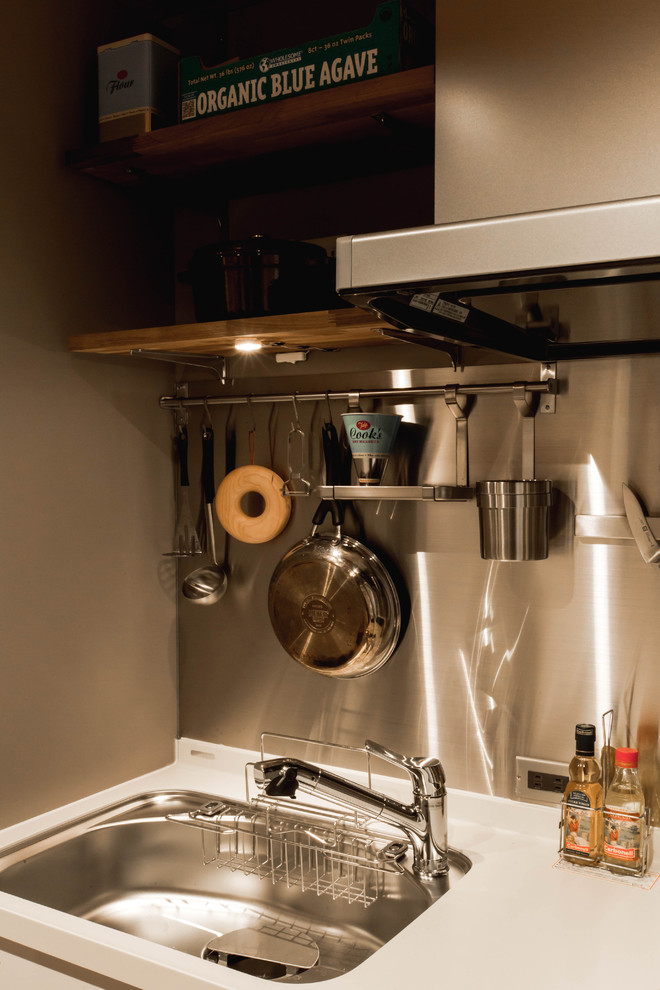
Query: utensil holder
column 513, row 519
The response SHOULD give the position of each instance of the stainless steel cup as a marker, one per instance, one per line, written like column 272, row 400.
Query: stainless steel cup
column 513, row 519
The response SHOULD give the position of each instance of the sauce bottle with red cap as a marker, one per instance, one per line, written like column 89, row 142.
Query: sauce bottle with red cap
column 623, row 816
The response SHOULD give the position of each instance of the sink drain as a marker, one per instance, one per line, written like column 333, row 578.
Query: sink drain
column 267, row 953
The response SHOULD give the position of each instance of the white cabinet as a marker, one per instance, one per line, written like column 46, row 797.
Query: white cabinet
column 17, row 973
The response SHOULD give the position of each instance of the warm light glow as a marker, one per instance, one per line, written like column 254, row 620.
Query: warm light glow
column 402, row 378
column 601, row 595
column 427, row 651
column 247, row 346
column 481, row 741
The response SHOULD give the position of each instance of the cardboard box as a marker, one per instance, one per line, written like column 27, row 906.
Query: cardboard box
column 398, row 37
column 137, row 86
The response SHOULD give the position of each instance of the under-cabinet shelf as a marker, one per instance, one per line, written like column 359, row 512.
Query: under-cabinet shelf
column 321, row 330
column 399, row 107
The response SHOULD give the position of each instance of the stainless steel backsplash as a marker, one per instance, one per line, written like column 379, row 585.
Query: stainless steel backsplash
column 498, row 660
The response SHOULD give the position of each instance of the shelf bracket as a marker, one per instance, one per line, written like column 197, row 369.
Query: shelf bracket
column 216, row 363
column 541, row 322
column 453, row 352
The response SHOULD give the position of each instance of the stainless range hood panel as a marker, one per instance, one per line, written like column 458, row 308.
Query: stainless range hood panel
column 417, row 279
column 546, row 174
column 606, row 242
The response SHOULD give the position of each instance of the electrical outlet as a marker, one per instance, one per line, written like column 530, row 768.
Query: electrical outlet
column 542, row 781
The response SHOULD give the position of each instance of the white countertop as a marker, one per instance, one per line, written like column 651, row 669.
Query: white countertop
column 514, row 921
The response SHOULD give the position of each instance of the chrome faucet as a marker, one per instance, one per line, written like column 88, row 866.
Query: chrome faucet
column 424, row 821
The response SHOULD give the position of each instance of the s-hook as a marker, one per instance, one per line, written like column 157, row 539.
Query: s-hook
column 527, row 403
column 459, row 404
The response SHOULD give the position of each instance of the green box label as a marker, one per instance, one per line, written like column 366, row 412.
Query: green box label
column 395, row 39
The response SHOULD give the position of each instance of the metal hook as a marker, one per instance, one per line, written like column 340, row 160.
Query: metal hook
column 295, row 425
column 252, row 433
column 327, row 402
column 248, row 402
column 459, row 405
column 180, row 410
column 526, row 403
column 207, row 422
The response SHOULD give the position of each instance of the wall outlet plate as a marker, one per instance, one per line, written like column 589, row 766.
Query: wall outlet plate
column 541, row 781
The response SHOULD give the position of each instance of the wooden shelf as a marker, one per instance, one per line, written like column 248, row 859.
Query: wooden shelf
column 341, row 129
column 400, row 106
column 326, row 329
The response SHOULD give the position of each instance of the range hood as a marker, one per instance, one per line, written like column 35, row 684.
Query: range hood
column 423, row 280
column 546, row 177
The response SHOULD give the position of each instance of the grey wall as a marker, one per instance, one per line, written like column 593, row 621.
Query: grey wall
column 87, row 662
column 544, row 105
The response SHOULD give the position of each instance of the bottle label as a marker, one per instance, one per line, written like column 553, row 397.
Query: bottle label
column 622, row 835
column 578, row 828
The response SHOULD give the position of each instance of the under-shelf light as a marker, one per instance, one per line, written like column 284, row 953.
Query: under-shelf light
column 248, row 345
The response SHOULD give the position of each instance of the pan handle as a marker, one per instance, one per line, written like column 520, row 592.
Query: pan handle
column 332, row 458
column 182, row 447
column 331, row 453
column 326, row 506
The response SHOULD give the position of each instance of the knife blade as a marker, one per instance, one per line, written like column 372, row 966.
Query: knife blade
column 644, row 538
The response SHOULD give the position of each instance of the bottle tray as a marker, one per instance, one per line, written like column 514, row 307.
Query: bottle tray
column 576, row 851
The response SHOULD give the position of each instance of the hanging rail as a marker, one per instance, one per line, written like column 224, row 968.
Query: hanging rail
column 543, row 387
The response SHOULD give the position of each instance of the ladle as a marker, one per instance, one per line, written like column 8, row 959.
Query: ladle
column 206, row 585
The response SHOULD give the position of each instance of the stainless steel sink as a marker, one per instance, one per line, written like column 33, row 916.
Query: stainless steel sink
column 131, row 868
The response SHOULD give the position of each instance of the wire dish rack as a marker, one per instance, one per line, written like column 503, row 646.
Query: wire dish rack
column 324, row 850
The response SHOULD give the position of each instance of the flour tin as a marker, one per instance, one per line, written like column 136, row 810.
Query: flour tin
column 398, row 37
column 137, row 86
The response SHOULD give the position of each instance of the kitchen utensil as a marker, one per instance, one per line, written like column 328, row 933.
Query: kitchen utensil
column 296, row 483
column 259, row 276
column 206, row 585
column 332, row 604
column 513, row 519
column 186, row 542
column 244, row 481
column 331, row 450
column 371, row 437
column 639, row 525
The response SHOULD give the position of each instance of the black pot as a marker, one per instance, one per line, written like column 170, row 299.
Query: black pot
column 259, row 276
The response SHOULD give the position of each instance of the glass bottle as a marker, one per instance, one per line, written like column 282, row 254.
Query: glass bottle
column 583, row 801
column 623, row 816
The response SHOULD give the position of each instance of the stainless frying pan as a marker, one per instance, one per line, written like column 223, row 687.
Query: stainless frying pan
column 332, row 603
